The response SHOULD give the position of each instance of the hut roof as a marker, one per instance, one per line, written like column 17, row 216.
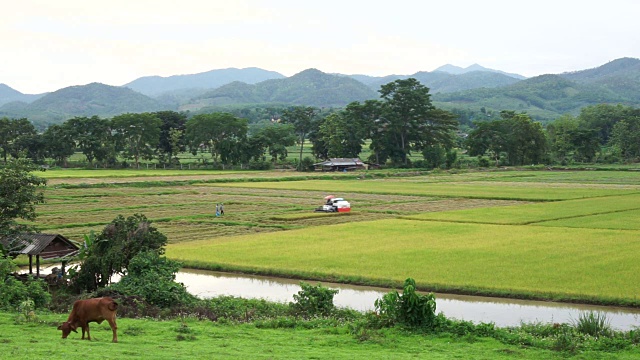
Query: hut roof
column 48, row 246
column 341, row 162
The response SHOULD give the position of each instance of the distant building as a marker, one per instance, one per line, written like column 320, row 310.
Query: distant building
column 340, row 164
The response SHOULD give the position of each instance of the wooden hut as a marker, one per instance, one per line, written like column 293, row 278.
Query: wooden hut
column 45, row 246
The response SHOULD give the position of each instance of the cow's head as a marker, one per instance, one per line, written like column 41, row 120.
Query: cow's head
column 66, row 328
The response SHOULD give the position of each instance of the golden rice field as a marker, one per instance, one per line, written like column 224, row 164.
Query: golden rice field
column 547, row 234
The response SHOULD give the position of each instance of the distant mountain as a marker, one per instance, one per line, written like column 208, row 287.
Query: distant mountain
column 310, row 87
column 85, row 100
column 439, row 81
column 456, row 70
column 156, row 85
column 621, row 76
column 8, row 94
column 545, row 97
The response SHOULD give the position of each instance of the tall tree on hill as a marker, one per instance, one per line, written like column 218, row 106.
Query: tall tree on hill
column 302, row 118
column 410, row 121
column 137, row 135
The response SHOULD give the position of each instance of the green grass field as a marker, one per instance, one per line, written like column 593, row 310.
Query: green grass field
column 193, row 339
column 625, row 220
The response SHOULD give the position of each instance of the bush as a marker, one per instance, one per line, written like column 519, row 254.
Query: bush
column 14, row 292
column 409, row 308
column 307, row 164
column 313, row 300
column 151, row 277
column 593, row 323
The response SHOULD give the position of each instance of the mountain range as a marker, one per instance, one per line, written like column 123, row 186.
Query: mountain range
column 545, row 97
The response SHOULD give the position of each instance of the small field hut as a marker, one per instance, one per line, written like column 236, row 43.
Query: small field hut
column 45, row 246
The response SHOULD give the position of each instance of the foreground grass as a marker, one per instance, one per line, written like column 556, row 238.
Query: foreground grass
column 192, row 339
column 588, row 265
column 505, row 191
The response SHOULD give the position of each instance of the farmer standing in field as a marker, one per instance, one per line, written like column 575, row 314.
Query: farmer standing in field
column 217, row 209
column 221, row 209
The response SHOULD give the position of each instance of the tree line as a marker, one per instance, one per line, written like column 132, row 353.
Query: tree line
column 403, row 123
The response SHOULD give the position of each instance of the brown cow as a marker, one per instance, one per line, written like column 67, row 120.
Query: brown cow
column 91, row 310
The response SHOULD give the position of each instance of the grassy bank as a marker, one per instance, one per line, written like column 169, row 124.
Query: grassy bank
column 286, row 338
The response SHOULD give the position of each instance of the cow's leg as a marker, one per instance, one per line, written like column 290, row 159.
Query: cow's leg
column 88, row 333
column 82, row 332
column 114, row 329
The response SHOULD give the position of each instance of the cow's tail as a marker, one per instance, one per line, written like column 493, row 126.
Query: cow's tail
column 113, row 306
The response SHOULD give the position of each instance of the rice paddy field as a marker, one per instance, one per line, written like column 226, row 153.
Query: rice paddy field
column 561, row 235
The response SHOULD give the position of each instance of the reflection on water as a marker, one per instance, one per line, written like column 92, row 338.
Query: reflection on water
column 502, row 312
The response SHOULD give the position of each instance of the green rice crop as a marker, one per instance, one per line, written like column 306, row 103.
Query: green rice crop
column 629, row 220
column 464, row 190
column 562, row 263
column 532, row 213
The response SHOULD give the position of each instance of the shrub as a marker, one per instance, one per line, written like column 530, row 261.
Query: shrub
column 13, row 292
column 593, row 323
column 313, row 300
column 151, row 277
column 409, row 308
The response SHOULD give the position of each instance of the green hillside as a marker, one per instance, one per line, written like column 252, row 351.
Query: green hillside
column 310, row 87
column 86, row 100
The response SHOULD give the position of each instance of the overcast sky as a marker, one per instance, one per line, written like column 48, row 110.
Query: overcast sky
column 46, row 45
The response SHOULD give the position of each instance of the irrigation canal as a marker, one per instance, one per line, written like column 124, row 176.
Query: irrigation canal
column 503, row 312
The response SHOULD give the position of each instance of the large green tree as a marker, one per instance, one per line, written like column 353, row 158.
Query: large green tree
column 222, row 133
column 302, row 118
column 571, row 140
column 93, row 137
column 59, row 144
column 20, row 192
column 171, row 140
column 137, row 135
column 274, row 139
column 625, row 139
column 517, row 136
column 15, row 135
column 409, row 121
